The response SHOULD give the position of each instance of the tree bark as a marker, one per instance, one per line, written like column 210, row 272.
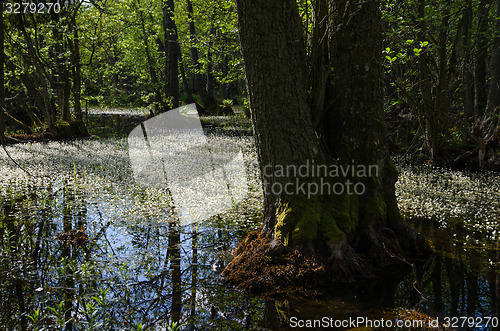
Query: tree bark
column 480, row 90
column 493, row 105
column 319, row 73
column 2, row 75
column 174, row 253
column 198, row 77
column 151, row 65
column 354, row 129
column 185, row 84
column 60, row 78
column 275, row 76
column 345, row 232
column 43, row 89
column 436, row 81
column 172, row 53
column 76, row 66
column 209, row 78
column 467, row 61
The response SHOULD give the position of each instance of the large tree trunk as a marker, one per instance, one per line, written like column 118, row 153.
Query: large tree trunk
column 355, row 131
column 319, row 73
column 275, row 75
column 340, row 231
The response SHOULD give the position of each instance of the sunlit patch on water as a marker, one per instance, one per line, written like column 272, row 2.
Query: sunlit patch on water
column 450, row 196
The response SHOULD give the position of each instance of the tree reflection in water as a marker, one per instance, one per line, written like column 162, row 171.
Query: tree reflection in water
column 93, row 251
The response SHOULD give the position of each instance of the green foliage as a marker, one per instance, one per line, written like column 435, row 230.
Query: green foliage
column 227, row 102
column 174, row 326
column 246, row 108
column 116, row 45
column 35, row 319
column 57, row 315
column 425, row 50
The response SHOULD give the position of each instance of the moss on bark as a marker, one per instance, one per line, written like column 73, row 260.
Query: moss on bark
column 297, row 220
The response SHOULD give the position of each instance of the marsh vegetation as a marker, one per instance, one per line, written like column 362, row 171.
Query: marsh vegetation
column 84, row 246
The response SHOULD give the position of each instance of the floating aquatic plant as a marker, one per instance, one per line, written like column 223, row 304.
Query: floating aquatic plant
column 449, row 195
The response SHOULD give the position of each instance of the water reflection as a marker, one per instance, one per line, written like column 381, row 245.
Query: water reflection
column 462, row 279
column 90, row 251
column 121, row 277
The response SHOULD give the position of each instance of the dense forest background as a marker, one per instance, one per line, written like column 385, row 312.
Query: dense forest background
column 442, row 64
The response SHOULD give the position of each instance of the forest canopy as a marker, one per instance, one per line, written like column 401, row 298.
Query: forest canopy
column 441, row 63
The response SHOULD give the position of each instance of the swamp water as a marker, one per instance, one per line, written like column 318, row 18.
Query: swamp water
column 83, row 247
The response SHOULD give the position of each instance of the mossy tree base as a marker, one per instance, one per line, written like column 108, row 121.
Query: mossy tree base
column 261, row 266
column 72, row 129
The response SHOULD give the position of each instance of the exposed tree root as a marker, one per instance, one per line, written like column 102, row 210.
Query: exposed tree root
column 260, row 266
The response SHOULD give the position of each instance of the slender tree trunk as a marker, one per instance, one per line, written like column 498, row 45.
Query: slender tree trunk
column 185, row 84
column 61, row 75
column 425, row 81
column 198, row 77
column 473, row 283
column 67, row 254
column 480, row 89
column 172, row 53
column 174, row 240
column 76, row 68
column 436, row 120
column 194, row 279
column 2, row 75
column 493, row 105
column 31, row 113
column 437, row 284
column 151, row 65
column 209, row 88
column 43, row 89
column 436, row 97
column 467, row 61
column 497, row 282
